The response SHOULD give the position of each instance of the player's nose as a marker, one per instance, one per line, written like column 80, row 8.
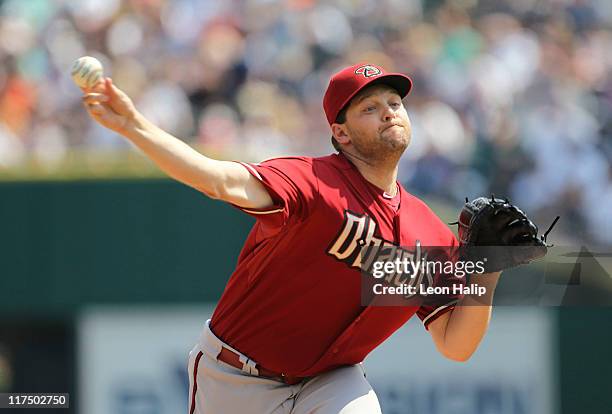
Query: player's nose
column 388, row 113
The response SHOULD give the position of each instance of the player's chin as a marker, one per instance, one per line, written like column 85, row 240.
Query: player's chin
column 397, row 140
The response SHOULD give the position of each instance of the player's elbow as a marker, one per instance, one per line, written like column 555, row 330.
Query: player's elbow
column 457, row 355
column 215, row 192
column 211, row 193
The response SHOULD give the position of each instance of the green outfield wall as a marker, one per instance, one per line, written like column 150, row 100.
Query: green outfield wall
column 68, row 244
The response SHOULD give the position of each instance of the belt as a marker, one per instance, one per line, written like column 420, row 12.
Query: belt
column 231, row 358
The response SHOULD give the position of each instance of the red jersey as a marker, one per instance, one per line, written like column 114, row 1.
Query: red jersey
column 293, row 304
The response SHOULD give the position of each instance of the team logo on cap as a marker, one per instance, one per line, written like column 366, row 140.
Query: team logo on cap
column 368, row 71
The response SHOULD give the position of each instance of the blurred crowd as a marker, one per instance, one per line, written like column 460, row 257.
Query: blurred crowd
column 512, row 97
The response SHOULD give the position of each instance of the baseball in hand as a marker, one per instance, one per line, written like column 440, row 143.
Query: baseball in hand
column 86, row 71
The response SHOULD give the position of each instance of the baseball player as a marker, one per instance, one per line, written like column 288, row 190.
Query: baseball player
column 290, row 330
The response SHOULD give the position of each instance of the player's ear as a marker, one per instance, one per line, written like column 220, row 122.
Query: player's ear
column 339, row 131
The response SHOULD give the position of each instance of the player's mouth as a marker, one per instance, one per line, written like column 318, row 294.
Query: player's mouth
column 390, row 126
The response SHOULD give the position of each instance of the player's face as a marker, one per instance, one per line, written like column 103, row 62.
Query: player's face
column 377, row 123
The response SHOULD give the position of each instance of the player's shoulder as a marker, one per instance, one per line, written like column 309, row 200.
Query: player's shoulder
column 421, row 207
column 287, row 165
column 326, row 159
column 426, row 214
column 332, row 161
column 287, row 159
column 418, row 203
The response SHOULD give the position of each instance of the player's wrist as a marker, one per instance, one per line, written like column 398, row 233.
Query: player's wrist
column 135, row 125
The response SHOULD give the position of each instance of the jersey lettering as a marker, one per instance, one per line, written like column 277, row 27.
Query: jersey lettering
column 357, row 231
column 357, row 246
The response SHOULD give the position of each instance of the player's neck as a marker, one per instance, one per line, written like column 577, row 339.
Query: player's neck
column 382, row 175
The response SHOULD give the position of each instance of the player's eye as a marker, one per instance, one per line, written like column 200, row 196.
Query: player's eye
column 369, row 108
column 396, row 104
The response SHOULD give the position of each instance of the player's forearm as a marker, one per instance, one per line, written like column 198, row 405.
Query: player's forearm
column 469, row 320
column 223, row 180
column 175, row 157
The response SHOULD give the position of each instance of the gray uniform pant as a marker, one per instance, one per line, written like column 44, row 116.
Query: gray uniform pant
column 218, row 388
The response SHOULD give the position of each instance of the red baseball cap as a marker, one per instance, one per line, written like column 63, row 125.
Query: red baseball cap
column 344, row 85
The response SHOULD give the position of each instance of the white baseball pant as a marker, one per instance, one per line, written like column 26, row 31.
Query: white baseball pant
column 219, row 388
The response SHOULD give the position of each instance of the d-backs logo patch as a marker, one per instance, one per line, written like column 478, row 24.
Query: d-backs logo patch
column 368, row 71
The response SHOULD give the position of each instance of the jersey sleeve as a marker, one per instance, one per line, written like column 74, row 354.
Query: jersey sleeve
column 292, row 185
column 437, row 305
